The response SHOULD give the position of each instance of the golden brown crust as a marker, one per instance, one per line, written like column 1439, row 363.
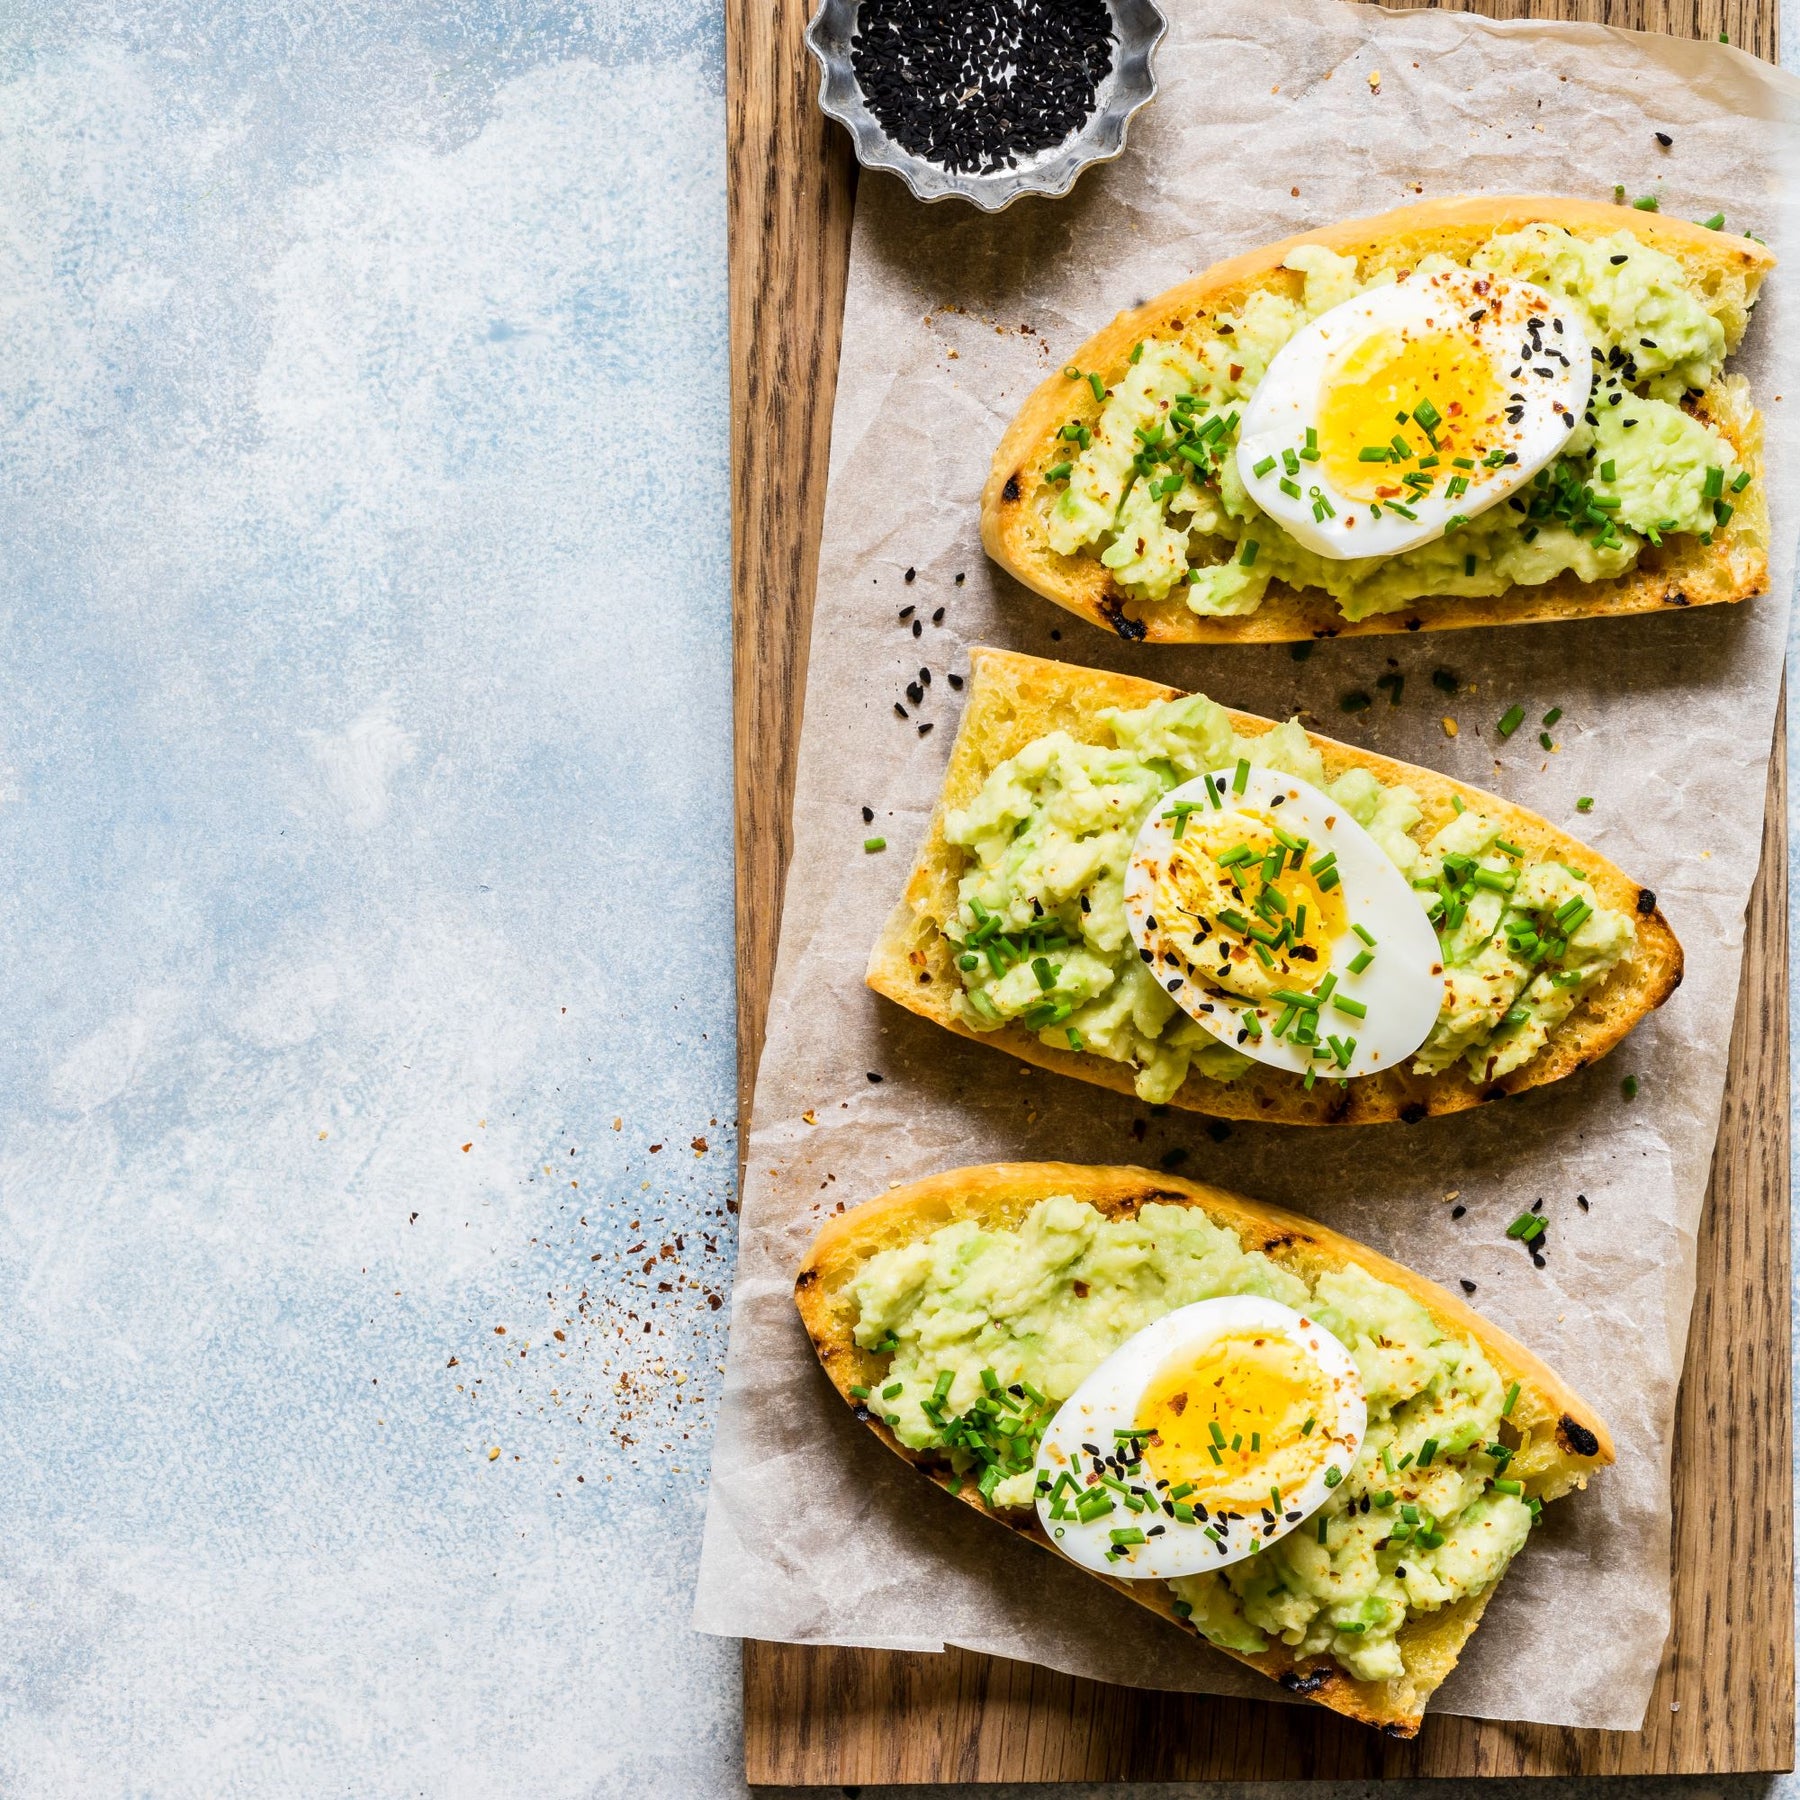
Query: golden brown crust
column 1686, row 573
column 1561, row 1439
column 1013, row 699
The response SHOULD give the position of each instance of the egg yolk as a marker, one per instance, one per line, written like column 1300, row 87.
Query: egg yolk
column 1246, row 1413
column 1372, row 383
column 1245, row 910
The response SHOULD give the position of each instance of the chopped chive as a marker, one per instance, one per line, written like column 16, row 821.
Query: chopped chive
column 1511, row 720
column 1061, row 472
column 1361, row 961
column 1741, row 481
column 1291, row 489
column 1647, row 203
column 1509, row 1487
column 1263, row 467
column 1098, row 386
column 1247, row 556
column 1629, row 1087
column 1240, row 776
column 1333, row 1476
column 1321, row 1528
column 1717, row 221
column 1355, row 1008
column 861, row 1393
column 1363, row 933
column 1427, row 1451
column 1585, row 803
column 871, row 845
column 1512, row 1394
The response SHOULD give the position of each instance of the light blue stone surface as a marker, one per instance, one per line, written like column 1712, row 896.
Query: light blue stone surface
column 365, row 818
column 365, row 814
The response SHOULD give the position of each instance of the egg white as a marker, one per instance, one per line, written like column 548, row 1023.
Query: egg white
column 1402, row 986
column 1533, row 345
column 1079, row 1443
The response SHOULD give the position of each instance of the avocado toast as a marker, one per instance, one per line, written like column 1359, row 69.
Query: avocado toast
column 1052, row 768
column 956, row 1312
column 1116, row 491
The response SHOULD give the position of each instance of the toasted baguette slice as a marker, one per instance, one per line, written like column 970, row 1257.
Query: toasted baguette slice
column 1561, row 1440
column 1013, row 699
column 1685, row 573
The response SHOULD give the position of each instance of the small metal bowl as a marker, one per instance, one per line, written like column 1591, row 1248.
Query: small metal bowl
column 1138, row 26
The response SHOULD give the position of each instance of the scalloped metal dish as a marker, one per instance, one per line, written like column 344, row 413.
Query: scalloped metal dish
column 1138, row 26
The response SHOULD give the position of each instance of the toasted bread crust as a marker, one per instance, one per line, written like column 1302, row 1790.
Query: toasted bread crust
column 1733, row 567
column 1562, row 1439
column 1013, row 699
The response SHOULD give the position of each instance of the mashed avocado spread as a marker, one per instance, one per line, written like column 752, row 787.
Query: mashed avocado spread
column 996, row 1328
column 1151, row 484
column 1043, row 940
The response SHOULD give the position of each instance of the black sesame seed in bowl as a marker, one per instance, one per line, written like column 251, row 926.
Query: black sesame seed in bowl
column 985, row 99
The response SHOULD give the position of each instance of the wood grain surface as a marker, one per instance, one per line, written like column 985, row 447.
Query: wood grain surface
column 1724, row 1698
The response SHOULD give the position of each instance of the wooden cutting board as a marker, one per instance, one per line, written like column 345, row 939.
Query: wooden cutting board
column 1724, row 1699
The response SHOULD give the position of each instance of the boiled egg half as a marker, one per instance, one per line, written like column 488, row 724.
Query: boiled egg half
column 1200, row 1440
column 1268, row 914
column 1398, row 416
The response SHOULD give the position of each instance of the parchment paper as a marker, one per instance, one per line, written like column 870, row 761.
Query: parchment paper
column 1271, row 119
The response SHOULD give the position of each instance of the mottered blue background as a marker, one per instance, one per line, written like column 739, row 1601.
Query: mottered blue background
column 366, row 1068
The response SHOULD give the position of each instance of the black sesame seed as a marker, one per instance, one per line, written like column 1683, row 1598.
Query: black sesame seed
column 906, row 612
column 937, row 618
column 1663, row 138
column 1468, row 1287
column 900, row 711
column 924, row 729
column 918, row 628
column 961, row 577
column 924, row 678
column 1456, row 1212
column 1581, row 1200
column 955, row 681
column 873, row 1076
column 912, row 575
column 868, row 815
column 978, row 86
column 914, row 692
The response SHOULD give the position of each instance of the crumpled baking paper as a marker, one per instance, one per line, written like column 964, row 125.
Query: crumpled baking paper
column 1273, row 117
